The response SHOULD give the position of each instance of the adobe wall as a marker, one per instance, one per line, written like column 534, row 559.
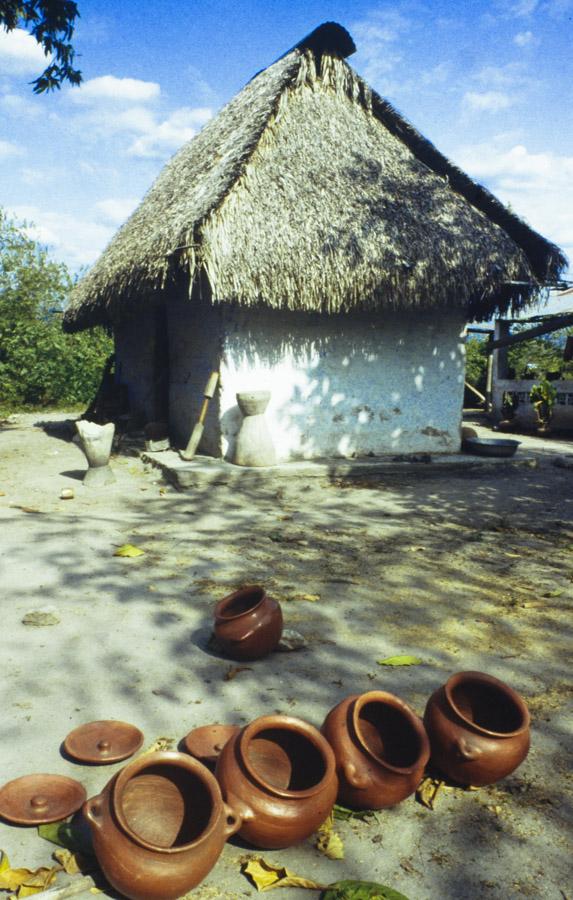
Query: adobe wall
column 345, row 386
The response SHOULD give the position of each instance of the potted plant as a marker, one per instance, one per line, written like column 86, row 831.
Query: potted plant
column 543, row 396
column 509, row 405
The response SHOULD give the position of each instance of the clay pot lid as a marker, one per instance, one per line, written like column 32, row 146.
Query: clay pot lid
column 39, row 799
column 103, row 742
column 205, row 743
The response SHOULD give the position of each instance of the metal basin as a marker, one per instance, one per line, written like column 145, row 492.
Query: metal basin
column 490, row 446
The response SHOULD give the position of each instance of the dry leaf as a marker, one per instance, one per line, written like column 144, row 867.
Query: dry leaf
column 400, row 661
column 427, row 792
column 329, row 842
column 310, row 598
column 26, row 509
column 72, row 863
column 233, row 671
column 159, row 745
column 128, row 550
column 265, row 876
column 25, row 882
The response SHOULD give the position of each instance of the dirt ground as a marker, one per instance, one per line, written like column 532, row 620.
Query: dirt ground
column 467, row 570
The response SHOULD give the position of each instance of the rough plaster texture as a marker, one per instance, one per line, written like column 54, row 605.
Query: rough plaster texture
column 344, row 386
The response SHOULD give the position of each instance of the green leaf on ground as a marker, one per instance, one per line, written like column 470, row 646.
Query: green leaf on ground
column 128, row 550
column 400, row 661
column 360, row 890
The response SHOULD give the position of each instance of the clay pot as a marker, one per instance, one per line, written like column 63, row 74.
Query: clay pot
column 478, row 728
column 381, row 749
column 248, row 623
column 279, row 777
column 159, row 826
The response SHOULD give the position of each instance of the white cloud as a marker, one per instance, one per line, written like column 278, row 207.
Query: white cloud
column 539, row 186
column 524, row 8
column 523, row 38
column 7, row 148
column 76, row 240
column 376, row 36
column 108, row 88
column 164, row 137
column 487, row 101
column 20, row 54
column 19, row 107
column 115, row 210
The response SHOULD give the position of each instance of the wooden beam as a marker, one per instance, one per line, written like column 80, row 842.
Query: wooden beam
column 545, row 328
column 475, row 391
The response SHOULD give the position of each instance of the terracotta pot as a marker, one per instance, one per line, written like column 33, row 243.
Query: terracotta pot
column 478, row 728
column 159, row 826
column 248, row 623
column 278, row 775
column 381, row 749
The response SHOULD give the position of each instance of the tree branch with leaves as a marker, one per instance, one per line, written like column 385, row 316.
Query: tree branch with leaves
column 51, row 23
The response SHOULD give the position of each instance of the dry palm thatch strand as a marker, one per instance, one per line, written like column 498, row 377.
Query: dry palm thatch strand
column 310, row 192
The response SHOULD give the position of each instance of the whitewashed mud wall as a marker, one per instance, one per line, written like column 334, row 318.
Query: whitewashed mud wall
column 346, row 386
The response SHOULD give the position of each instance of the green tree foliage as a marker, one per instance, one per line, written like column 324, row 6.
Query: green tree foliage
column 476, row 363
column 51, row 23
column 530, row 359
column 39, row 364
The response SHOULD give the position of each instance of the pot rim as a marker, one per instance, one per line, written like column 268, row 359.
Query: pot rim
column 361, row 700
column 171, row 758
column 287, row 723
column 226, row 601
column 481, row 677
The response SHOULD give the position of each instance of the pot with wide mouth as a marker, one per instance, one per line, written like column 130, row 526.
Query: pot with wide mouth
column 478, row 728
column 278, row 774
column 248, row 623
column 381, row 749
column 159, row 826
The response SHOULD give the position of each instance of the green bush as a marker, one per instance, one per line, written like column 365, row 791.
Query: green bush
column 39, row 364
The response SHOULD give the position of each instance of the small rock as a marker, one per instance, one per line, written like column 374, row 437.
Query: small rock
column 67, row 494
column 291, row 640
column 47, row 615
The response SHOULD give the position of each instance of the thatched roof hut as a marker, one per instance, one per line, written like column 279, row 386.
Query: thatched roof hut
column 310, row 192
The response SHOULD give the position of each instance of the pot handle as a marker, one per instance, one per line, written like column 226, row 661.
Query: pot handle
column 92, row 810
column 355, row 779
column 236, row 812
column 467, row 750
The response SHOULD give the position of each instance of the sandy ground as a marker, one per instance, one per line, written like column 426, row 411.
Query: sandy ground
column 465, row 570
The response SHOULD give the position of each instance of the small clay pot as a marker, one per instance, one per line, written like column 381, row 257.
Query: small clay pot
column 478, row 728
column 159, row 826
column 248, row 623
column 278, row 775
column 381, row 749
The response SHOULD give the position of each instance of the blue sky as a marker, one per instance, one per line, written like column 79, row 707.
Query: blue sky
column 489, row 82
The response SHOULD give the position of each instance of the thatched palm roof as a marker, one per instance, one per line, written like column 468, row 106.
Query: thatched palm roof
column 308, row 191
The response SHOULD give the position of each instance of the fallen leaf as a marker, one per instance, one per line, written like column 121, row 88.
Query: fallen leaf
column 26, row 509
column 310, row 598
column 25, row 882
column 68, row 835
column 233, row 671
column 265, row 876
column 328, row 841
column 427, row 791
column 400, row 661
column 128, row 550
column 343, row 813
column 159, row 745
column 556, row 593
column 360, row 890
column 71, row 863
column 416, row 549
